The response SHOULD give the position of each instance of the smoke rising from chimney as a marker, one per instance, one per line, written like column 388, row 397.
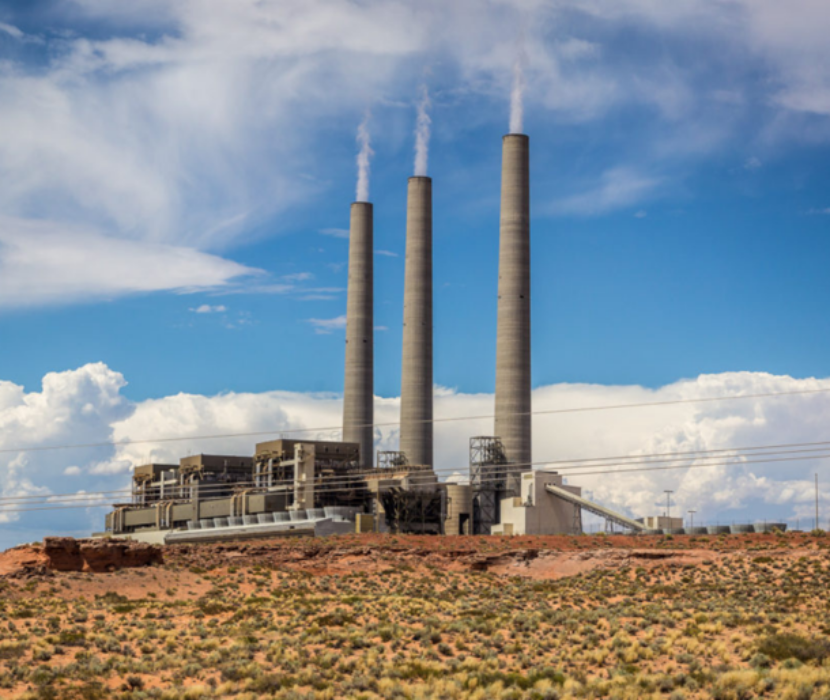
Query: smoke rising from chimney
column 363, row 157
column 422, row 133
column 517, row 93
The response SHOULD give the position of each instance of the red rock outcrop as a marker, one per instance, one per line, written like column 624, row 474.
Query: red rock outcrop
column 69, row 554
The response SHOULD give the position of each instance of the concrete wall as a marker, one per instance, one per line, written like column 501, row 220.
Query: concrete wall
column 660, row 522
column 416, row 369
column 459, row 509
column 358, row 390
column 513, row 335
column 537, row 512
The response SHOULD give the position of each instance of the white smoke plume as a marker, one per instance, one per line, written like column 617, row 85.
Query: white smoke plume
column 517, row 94
column 363, row 157
column 422, row 132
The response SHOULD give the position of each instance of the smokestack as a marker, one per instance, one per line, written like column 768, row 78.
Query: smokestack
column 513, row 336
column 416, row 372
column 358, row 392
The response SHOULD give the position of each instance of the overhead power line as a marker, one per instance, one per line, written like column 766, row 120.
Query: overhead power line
column 423, row 479
column 562, row 464
column 292, row 431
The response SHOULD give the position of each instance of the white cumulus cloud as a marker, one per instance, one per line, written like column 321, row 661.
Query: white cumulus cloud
column 86, row 406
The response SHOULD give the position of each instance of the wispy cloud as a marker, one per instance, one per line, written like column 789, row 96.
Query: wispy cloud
column 820, row 211
column 335, row 232
column 174, row 142
column 386, row 253
column 616, row 188
column 297, row 277
column 324, row 326
column 11, row 30
column 47, row 263
column 208, row 309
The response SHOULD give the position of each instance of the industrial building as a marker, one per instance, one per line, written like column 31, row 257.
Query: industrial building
column 293, row 487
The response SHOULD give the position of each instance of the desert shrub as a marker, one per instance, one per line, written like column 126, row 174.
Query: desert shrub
column 11, row 650
column 72, row 637
column 760, row 661
column 794, row 646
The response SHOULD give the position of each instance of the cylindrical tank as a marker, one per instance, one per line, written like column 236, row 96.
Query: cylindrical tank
column 358, row 389
column 265, row 518
column 696, row 530
column 741, row 529
column 297, row 514
column 770, row 527
column 459, row 503
column 220, row 522
column 513, row 418
column 416, row 365
column 718, row 529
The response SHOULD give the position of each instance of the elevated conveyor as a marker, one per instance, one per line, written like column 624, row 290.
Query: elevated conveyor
column 595, row 508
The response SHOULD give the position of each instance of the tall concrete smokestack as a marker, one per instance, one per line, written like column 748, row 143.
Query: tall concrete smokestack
column 358, row 392
column 416, row 372
column 513, row 336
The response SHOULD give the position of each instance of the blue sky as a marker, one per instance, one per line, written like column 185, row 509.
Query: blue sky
column 676, row 231
column 175, row 179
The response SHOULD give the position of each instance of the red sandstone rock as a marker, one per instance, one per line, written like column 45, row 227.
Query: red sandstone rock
column 68, row 554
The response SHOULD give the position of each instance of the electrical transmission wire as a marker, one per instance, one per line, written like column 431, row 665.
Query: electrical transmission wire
column 292, row 431
column 563, row 464
column 420, row 480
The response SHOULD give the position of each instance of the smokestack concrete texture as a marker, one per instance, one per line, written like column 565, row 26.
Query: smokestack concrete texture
column 358, row 390
column 416, row 370
column 513, row 335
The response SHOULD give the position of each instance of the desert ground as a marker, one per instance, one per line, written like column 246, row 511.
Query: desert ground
column 732, row 616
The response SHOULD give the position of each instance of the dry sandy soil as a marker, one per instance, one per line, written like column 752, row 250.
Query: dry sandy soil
column 368, row 616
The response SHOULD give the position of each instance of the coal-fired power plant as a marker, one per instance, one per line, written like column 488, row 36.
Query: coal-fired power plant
column 416, row 366
column 513, row 417
column 304, row 487
column 358, row 389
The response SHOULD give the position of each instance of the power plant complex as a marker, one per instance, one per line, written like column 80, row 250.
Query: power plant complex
column 297, row 487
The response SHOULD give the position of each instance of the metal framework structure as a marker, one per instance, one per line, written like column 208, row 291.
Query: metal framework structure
column 335, row 462
column 577, row 522
column 389, row 459
column 491, row 479
column 412, row 511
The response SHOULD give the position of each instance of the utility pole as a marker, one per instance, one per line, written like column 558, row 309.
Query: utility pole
column 816, row 501
column 668, row 502
column 692, row 518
